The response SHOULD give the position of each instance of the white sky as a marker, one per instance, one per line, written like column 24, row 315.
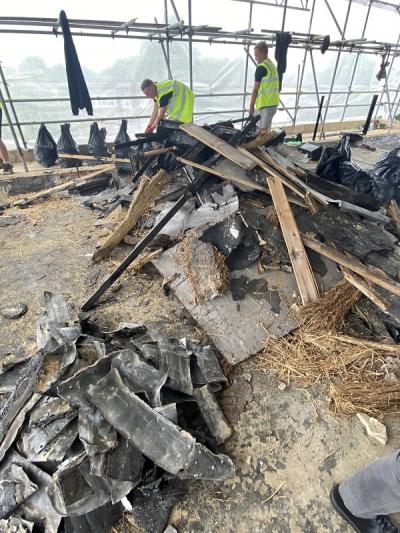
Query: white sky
column 98, row 54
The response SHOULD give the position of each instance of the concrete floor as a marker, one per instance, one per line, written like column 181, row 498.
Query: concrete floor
column 287, row 447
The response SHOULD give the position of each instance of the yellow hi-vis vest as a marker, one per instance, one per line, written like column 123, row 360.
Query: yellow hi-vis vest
column 268, row 92
column 181, row 103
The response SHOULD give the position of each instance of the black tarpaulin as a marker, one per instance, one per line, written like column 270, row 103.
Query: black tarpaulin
column 78, row 91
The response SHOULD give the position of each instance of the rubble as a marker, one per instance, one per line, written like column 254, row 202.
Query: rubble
column 248, row 241
column 110, row 429
column 14, row 312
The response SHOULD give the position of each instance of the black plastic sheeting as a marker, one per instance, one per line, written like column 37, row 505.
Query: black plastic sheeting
column 67, row 145
column 45, row 150
column 382, row 180
column 96, row 143
column 386, row 177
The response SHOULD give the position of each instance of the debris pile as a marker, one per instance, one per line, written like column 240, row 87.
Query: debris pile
column 252, row 239
column 95, row 418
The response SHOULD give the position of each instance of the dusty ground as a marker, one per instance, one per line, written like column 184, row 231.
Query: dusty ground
column 287, row 447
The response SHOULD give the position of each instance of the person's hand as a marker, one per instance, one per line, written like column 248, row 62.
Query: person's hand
column 149, row 129
column 251, row 111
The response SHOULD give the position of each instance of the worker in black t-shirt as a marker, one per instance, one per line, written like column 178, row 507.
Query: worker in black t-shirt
column 265, row 95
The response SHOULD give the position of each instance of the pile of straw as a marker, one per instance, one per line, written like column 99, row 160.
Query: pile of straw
column 352, row 368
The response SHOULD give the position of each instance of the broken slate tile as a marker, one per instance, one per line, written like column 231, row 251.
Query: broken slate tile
column 100, row 520
column 212, row 414
column 37, row 508
column 124, row 463
column 74, row 490
column 15, row 524
column 140, row 376
column 177, row 452
column 14, row 312
column 15, row 488
column 177, row 361
column 47, row 420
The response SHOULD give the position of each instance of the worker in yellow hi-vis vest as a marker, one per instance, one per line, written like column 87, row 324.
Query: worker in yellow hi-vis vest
column 172, row 98
column 265, row 95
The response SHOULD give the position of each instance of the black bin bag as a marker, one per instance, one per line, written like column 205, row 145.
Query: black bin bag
column 385, row 176
column 67, row 145
column 97, row 144
column 123, row 137
column 45, row 149
column 352, row 175
column 332, row 158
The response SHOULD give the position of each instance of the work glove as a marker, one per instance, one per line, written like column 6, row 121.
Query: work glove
column 149, row 129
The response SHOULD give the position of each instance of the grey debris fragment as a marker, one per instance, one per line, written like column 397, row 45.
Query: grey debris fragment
column 124, row 463
column 15, row 487
column 48, row 420
column 96, row 434
column 177, row 360
column 14, row 312
column 15, row 524
column 212, row 414
column 140, row 376
column 37, row 508
column 11, row 356
column 177, row 452
column 169, row 411
column 170, row 529
column 74, row 490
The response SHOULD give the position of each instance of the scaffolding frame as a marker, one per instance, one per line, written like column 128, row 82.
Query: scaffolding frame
column 165, row 33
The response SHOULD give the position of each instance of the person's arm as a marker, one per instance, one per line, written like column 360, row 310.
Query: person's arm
column 159, row 117
column 261, row 71
column 254, row 97
column 153, row 117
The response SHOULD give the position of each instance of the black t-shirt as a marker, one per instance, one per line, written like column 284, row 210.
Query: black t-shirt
column 261, row 71
column 165, row 98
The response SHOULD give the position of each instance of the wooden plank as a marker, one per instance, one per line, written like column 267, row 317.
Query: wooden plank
column 223, row 175
column 366, row 288
column 238, row 180
column 260, row 140
column 394, row 212
column 62, row 186
column 142, row 199
column 301, row 267
column 374, row 274
column 267, row 159
column 79, row 157
column 220, row 146
column 270, row 171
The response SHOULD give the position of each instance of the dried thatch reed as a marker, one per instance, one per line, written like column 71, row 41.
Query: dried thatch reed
column 354, row 369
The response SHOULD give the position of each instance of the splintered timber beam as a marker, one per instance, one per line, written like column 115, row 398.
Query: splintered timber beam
column 301, row 267
column 220, row 146
column 141, row 201
column 366, row 288
column 63, row 186
column 374, row 274
column 224, row 175
column 148, row 153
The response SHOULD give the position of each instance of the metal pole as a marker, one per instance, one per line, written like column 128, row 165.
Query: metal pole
column 356, row 61
column 5, row 84
column 283, row 16
column 167, row 39
column 304, row 64
column 314, row 76
column 9, row 121
column 190, row 44
column 386, row 84
column 246, row 68
column 318, row 117
column 369, row 116
column 336, row 67
column 166, row 56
